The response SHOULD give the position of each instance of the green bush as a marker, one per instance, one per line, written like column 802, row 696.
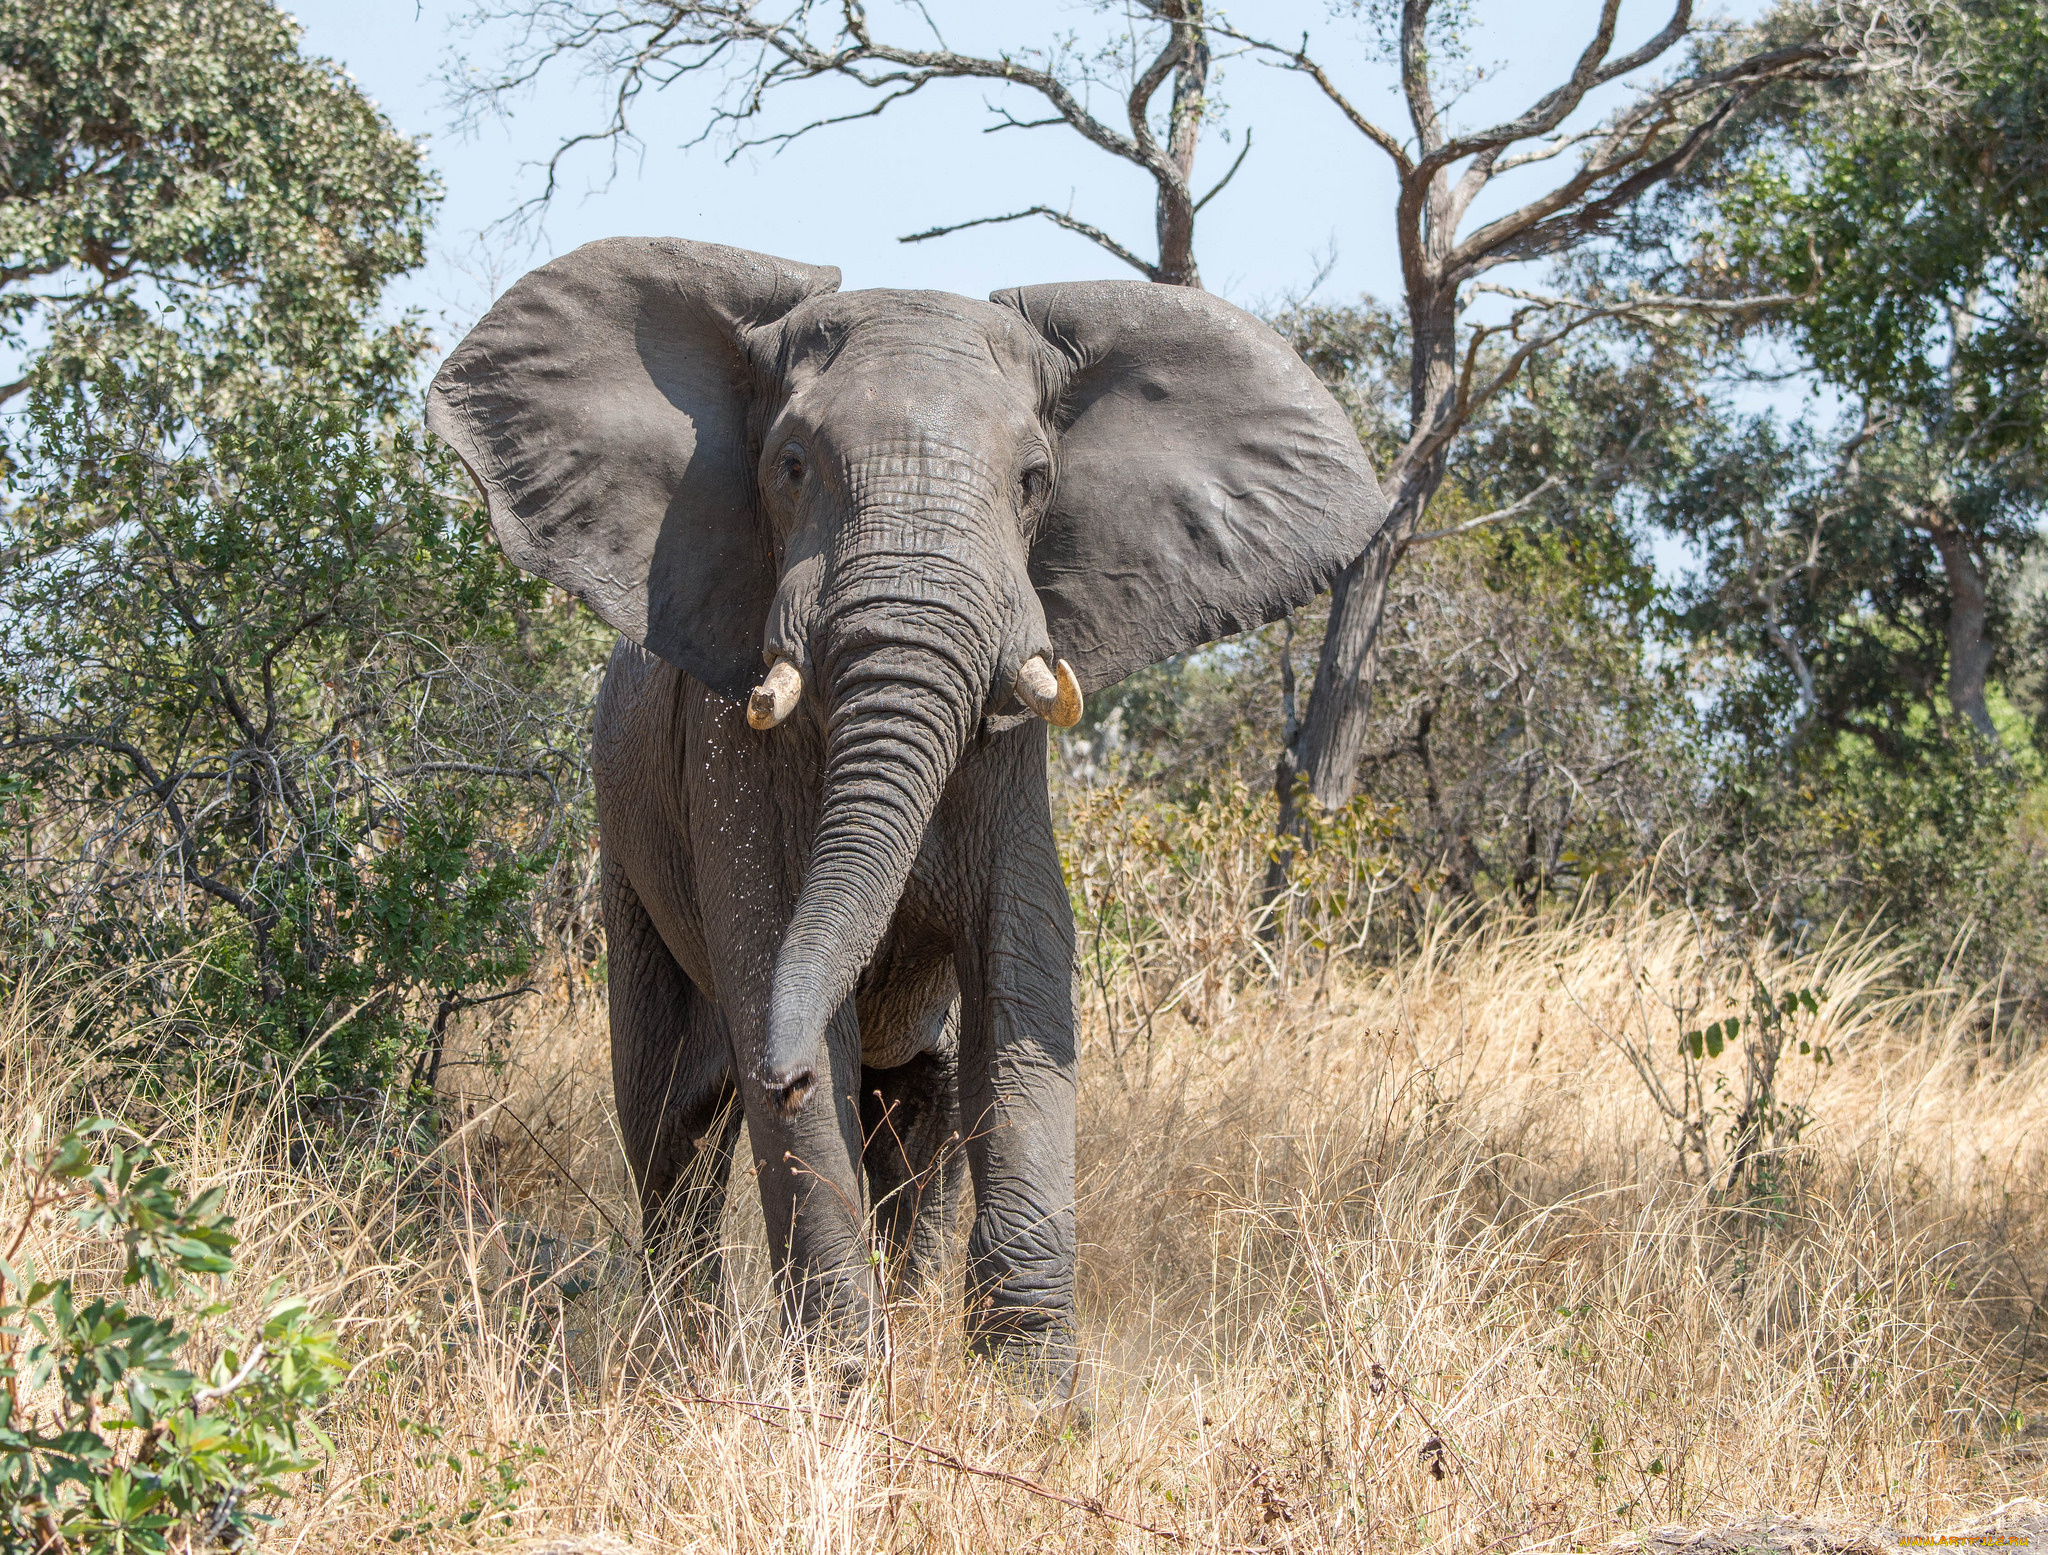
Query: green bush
column 114, row 1437
column 274, row 709
column 272, row 697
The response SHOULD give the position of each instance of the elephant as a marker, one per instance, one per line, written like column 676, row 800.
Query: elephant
column 862, row 548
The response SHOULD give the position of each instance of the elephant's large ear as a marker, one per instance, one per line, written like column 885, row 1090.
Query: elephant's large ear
column 1207, row 480
column 602, row 407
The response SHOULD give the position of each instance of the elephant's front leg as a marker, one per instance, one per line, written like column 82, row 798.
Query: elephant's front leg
column 811, row 1197
column 747, row 823
column 1017, row 1081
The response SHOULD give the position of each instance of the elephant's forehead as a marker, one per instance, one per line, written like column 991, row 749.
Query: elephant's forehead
column 908, row 331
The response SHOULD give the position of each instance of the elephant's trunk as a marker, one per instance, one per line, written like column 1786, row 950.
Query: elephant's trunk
column 900, row 718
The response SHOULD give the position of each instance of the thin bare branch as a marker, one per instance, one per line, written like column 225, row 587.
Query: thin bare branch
column 1558, row 219
column 1009, row 121
column 1223, row 182
column 1429, row 440
column 1647, row 302
column 1059, row 218
column 1300, row 60
column 1515, row 509
column 1556, row 146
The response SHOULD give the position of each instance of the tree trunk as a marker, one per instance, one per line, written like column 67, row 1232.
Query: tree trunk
column 1331, row 741
column 1175, row 214
column 1332, row 737
column 1969, row 643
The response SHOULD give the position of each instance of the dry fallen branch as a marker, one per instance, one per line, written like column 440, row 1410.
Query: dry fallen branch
column 938, row 1457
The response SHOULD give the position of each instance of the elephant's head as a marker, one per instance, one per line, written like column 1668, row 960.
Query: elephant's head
column 923, row 509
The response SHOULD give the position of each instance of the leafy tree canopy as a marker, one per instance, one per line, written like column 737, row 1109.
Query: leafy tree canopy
column 1865, row 562
column 274, row 711
column 1910, row 212
column 157, row 154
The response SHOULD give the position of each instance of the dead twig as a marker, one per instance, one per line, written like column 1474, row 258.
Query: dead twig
column 939, row 1457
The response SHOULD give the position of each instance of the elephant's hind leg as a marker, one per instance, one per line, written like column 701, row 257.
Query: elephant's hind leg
column 916, row 1169
column 679, row 1114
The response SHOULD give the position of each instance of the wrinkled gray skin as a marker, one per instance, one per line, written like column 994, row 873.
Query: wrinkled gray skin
column 855, row 923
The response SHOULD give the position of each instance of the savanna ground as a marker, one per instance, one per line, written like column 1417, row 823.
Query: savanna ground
column 1376, row 1253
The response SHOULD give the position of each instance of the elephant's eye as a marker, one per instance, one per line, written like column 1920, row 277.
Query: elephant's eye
column 792, row 465
column 1034, row 482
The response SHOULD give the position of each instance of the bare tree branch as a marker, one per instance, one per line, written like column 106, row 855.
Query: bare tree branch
column 640, row 44
column 1429, row 441
column 1221, row 183
column 1592, row 70
column 1093, row 233
column 1515, row 509
column 1299, row 59
column 1009, row 121
column 1526, row 234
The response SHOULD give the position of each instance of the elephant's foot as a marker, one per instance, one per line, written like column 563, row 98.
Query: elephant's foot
column 685, row 1304
column 1020, row 1296
column 1032, row 1349
column 837, row 1321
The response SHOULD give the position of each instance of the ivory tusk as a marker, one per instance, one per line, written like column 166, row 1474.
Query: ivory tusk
column 1053, row 694
column 775, row 698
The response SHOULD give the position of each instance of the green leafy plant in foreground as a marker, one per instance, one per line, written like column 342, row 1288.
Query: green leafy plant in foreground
column 1764, row 1124
column 110, row 1442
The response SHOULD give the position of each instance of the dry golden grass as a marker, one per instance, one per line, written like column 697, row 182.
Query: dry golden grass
column 1392, row 1259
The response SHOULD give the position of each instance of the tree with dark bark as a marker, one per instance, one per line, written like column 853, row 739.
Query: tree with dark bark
column 1459, row 364
column 1911, row 218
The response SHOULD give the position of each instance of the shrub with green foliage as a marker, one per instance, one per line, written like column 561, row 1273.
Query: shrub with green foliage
column 272, row 702
column 116, row 1434
column 263, row 676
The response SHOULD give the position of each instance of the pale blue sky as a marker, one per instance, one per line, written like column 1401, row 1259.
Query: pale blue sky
column 1311, row 185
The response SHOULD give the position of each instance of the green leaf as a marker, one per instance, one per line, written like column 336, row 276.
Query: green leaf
column 72, row 1158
